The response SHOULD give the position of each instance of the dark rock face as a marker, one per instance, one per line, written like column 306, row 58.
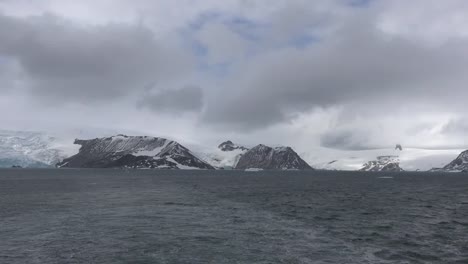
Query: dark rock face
column 383, row 163
column 133, row 152
column 264, row 157
column 459, row 164
column 229, row 146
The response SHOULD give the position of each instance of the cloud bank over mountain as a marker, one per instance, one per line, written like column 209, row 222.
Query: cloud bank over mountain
column 338, row 74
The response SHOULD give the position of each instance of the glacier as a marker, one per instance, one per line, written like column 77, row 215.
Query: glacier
column 32, row 149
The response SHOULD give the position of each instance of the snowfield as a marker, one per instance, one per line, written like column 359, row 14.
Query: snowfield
column 411, row 159
column 218, row 158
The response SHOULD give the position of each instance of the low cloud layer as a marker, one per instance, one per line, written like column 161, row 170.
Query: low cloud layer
column 358, row 64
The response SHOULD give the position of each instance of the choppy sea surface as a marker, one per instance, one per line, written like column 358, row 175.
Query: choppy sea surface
column 118, row 216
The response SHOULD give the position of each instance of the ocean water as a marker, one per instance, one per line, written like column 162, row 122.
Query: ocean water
column 118, row 216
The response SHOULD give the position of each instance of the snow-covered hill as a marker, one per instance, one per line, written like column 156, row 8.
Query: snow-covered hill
column 225, row 156
column 229, row 155
column 410, row 159
column 32, row 149
column 133, row 152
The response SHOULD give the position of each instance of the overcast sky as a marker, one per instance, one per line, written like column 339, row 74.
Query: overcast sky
column 341, row 74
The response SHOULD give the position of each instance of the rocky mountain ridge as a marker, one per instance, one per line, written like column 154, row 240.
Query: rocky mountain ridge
column 383, row 163
column 460, row 164
column 268, row 158
column 123, row 151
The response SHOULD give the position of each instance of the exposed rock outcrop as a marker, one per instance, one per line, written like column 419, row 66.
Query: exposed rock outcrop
column 264, row 157
column 383, row 163
column 458, row 164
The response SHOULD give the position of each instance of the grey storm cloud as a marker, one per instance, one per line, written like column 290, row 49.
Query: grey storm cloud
column 174, row 101
column 8, row 75
column 346, row 139
column 358, row 63
column 66, row 61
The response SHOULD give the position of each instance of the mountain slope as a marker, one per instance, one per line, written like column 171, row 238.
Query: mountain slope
column 133, row 152
column 264, row 157
column 459, row 164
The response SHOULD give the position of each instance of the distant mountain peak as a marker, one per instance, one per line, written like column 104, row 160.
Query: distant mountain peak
column 230, row 146
column 383, row 163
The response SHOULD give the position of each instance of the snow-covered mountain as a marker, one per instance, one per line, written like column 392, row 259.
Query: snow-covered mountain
column 279, row 158
column 410, row 159
column 225, row 156
column 133, row 152
column 41, row 149
column 459, row 164
column 32, row 149
column 383, row 163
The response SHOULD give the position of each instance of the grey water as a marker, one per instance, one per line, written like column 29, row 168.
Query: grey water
column 130, row 216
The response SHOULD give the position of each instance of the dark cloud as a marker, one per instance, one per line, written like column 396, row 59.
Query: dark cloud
column 8, row 74
column 65, row 61
column 343, row 74
column 356, row 64
column 347, row 140
column 174, row 101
